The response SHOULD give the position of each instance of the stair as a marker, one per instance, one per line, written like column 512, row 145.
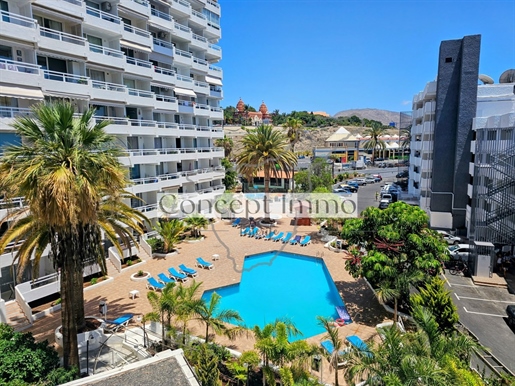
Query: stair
column 15, row 316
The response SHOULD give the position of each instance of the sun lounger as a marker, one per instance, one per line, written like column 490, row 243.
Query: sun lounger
column 177, row 275
column 154, row 285
column 164, row 279
column 358, row 344
column 253, row 232
column 236, row 222
column 343, row 314
column 278, row 237
column 120, row 322
column 287, row 238
column 188, row 271
column 305, row 241
column 270, row 235
column 201, row 263
column 295, row 240
column 245, row 231
column 328, row 346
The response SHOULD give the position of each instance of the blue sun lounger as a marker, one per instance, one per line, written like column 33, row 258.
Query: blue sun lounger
column 164, row 279
column 328, row 346
column 245, row 231
column 278, row 237
column 236, row 222
column 287, row 238
column 305, row 241
column 177, row 275
column 343, row 314
column 120, row 322
column 358, row 344
column 253, row 232
column 295, row 240
column 187, row 270
column 270, row 235
column 154, row 285
column 201, row 263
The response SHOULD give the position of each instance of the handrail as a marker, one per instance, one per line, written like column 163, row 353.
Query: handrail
column 186, row 54
column 11, row 65
column 167, row 125
column 213, row 25
column 187, row 127
column 136, row 30
column 13, row 112
column 142, row 123
column 65, row 77
column 105, row 50
column 201, row 84
column 161, row 15
column 163, row 43
column 184, row 78
column 141, row 2
column 103, row 15
column 199, row 38
column 146, row 208
column 182, row 27
column 215, row 68
column 216, row 5
column 138, row 62
column 215, row 47
column 217, row 109
column 200, row 61
column 185, row 103
column 113, row 120
column 76, row 2
column 9, row 17
column 202, row 106
column 140, row 93
column 198, row 14
column 166, row 98
column 164, row 71
column 108, row 86
column 62, row 36
column 183, row 3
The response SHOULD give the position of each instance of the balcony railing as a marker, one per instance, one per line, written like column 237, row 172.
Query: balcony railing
column 8, row 17
column 105, row 51
column 166, row 98
column 108, row 86
column 202, row 62
column 112, row 120
column 142, row 123
column 183, row 3
column 185, row 103
column 215, row 68
column 213, row 25
column 13, row 112
column 187, row 127
column 64, row 37
column 161, row 15
column 217, row 109
column 162, row 43
column 136, row 30
column 181, row 27
column 138, row 62
column 11, row 65
column 167, row 125
column 140, row 93
column 64, row 77
column 102, row 15
column 146, row 208
column 202, row 107
column 184, row 78
column 215, row 47
column 199, row 38
column 172, row 176
column 198, row 14
column 216, row 5
column 164, row 71
column 141, row 2
column 201, row 84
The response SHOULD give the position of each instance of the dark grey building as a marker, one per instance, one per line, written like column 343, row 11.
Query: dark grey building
column 456, row 98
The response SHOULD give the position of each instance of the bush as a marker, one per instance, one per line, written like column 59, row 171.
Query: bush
column 155, row 243
column 94, row 281
column 140, row 273
column 129, row 262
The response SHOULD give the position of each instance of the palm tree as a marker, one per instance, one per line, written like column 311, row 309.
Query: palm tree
column 211, row 316
column 196, row 222
column 265, row 149
column 188, row 306
column 164, row 306
column 374, row 142
column 293, row 125
column 227, row 143
column 170, row 231
column 65, row 167
column 333, row 337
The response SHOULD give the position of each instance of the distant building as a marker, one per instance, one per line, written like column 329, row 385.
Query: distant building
column 343, row 144
column 321, row 113
column 256, row 118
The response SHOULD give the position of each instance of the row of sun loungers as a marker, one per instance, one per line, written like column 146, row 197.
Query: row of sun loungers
column 277, row 237
column 175, row 275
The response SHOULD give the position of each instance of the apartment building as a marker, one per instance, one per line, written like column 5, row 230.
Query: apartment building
column 148, row 66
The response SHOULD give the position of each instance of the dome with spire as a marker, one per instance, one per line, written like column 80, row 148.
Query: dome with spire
column 263, row 109
column 240, row 106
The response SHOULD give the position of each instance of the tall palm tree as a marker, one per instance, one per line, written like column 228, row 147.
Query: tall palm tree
column 293, row 125
column 333, row 337
column 374, row 142
column 211, row 316
column 164, row 306
column 64, row 167
column 189, row 304
column 227, row 143
column 196, row 222
column 265, row 148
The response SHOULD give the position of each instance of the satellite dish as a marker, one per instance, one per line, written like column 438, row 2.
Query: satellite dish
column 485, row 79
column 507, row 76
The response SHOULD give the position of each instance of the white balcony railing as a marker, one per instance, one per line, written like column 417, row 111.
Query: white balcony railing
column 62, row 36
column 215, row 68
column 13, row 112
column 140, row 93
column 172, row 176
column 12, row 18
column 184, row 78
column 181, row 27
column 11, row 65
column 138, row 62
column 185, row 103
column 136, row 30
column 201, row 84
column 65, row 77
column 215, row 47
column 166, row 98
column 142, row 123
column 108, row 86
column 105, row 51
column 161, row 15
column 199, row 38
column 199, row 61
column 103, row 15
column 164, row 71
column 162, row 43
column 214, row 4
column 198, row 14
column 183, row 3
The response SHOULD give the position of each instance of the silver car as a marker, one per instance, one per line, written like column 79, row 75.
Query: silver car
column 451, row 240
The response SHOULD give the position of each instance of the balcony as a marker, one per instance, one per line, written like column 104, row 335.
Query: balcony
column 139, row 67
column 161, row 19
column 140, row 97
column 8, row 114
column 67, row 43
column 106, row 56
column 216, row 92
column 188, row 130
column 22, row 27
column 216, row 72
column 66, row 85
column 148, row 210
column 198, row 19
column 213, row 30
column 168, row 129
column 198, row 41
column 201, row 87
column 70, row 7
column 139, row 6
column 137, row 35
column 108, row 23
column 108, row 91
column 142, row 127
column 116, row 125
column 214, row 52
column 217, row 113
column 163, row 47
column 182, row 32
column 20, row 73
column 165, row 102
column 185, row 106
column 200, row 65
column 213, row 6
column 217, row 132
column 184, row 81
column 180, row 8
column 202, row 110
column 164, row 75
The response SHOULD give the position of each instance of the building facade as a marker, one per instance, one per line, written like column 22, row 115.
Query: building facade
column 148, row 66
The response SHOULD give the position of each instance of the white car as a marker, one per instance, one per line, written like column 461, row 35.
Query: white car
column 450, row 238
column 459, row 252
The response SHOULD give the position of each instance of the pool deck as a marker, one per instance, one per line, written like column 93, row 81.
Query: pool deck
column 224, row 240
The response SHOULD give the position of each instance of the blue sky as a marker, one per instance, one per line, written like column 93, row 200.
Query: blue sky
column 333, row 55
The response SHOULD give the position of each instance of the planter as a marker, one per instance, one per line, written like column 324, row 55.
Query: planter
column 192, row 241
column 95, row 337
column 164, row 255
column 135, row 277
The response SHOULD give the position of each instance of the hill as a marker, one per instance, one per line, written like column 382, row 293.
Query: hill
column 383, row 116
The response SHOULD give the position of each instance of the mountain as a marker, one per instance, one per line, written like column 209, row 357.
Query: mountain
column 383, row 116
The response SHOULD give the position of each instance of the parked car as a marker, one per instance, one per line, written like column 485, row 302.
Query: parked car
column 510, row 311
column 383, row 204
column 403, row 174
column 353, row 183
column 342, row 190
column 450, row 238
column 360, row 181
column 459, row 252
column 377, row 177
column 353, row 189
column 387, row 196
column 370, row 180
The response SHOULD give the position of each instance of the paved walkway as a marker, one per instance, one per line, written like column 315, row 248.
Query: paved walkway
column 222, row 239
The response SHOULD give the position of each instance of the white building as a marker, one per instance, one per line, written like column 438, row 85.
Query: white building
column 146, row 65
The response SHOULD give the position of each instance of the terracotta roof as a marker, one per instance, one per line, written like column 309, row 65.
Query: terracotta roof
column 322, row 113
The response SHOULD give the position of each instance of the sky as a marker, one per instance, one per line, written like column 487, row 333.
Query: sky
column 333, row 55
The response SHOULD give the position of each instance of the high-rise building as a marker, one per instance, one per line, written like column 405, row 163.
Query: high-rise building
column 148, row 66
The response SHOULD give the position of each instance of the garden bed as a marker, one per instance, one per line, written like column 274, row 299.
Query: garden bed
column 44, row 303
column 130, row 261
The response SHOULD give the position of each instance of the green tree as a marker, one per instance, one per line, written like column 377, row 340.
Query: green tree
column 164, row 306
column 66, row 168
column 210, row 314
column 434, row 297
column 263, row 149
column 374, row 143
column 401, row 251
column 227, row 144
column 207, row 366
column 170, row 231
column 333, row 337
column 196, row 222
column 293, row 126
column 230, row 178
column 188, row 305
column 319, row 175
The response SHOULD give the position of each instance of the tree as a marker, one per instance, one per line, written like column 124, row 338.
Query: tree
column 170, row 231
column 66, row 168
column 227, row 144
column 319, row 175
column 230, row 178
column 374, row 143
column 211, row 316
column 188, row 305
column 164, row 306
column 207, row 367
column 263, row 149
column 196, row 222
column 293, row 125
column 401, row 251
column 334, row 338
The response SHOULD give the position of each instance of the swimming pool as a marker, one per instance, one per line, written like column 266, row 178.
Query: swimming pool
column 281, row 284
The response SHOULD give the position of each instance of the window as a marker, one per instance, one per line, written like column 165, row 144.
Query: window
column 6, row 52
column 130, row 83
column 94, row 40
column 492, row 135
column 96, row 75
column 92, row 4
column 506, row 134
column 448, row 60
column 47, row 23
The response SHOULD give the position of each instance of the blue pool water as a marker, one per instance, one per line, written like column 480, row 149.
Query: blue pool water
column 281, row 284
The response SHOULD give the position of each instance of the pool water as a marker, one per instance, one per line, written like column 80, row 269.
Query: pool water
column 282, row 285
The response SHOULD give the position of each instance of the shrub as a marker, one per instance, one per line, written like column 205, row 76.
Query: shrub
column 129, row 262
column 140, row 273
column 94, row 281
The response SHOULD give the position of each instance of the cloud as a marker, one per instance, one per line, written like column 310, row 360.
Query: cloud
column 405, row 103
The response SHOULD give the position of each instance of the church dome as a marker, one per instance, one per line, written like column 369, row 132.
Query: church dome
column 263, row 109
column 240, row 106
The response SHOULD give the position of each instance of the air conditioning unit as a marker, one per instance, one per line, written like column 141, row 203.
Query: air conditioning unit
column 161, row 35
column 106, row 6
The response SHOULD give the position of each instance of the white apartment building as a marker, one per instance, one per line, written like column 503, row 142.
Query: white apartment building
column 148, row 66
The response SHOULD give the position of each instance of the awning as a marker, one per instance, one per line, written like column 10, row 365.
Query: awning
column 137, row 47
column 67, row 95
column 21, row 92
column 184, row 91
column 216, row 81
